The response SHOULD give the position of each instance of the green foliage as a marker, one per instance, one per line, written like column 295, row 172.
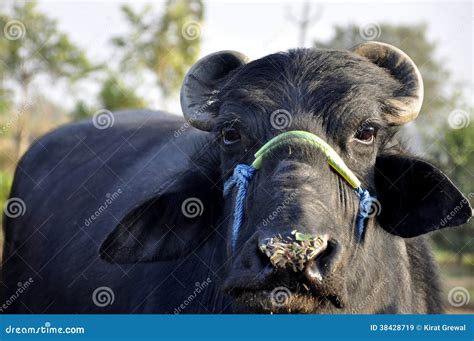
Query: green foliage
column 458, row 145
column 115, row 95
column 6, row 180
column 81, row 111
column 35, row 46
column 456, row 151
column 31, row 47
column 5, row 100
column 165, row 45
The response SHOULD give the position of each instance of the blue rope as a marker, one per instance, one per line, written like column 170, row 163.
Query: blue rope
column 241, row 177
column 364, row 210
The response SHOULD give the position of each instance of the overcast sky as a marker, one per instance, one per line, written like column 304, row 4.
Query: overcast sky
column 257, row 28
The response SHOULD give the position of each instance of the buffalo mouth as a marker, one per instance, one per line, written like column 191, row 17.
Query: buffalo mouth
column 282, row 300
column 283, row 292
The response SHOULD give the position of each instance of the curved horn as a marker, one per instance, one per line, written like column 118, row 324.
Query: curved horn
column 406, row 105
column 201, row 85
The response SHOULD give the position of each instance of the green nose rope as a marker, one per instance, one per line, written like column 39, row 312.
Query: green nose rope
column 244, row 173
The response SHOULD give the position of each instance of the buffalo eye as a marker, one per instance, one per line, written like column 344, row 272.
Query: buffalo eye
column 366, row 134
column 230, row 135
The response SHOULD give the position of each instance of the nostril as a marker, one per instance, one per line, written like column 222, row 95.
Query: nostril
column 313, row 272
column 324, row 264
column 325, row 256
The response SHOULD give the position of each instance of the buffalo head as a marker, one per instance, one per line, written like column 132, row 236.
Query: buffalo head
column 297, row 249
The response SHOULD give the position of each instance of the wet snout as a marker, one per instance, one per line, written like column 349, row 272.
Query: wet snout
column 315, row 257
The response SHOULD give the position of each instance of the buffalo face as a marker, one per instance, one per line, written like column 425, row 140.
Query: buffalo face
column 297, row 250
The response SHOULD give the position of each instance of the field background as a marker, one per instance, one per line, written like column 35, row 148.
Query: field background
column 54, row 70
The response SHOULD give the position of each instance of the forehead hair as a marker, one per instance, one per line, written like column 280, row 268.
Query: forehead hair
column 310, row 81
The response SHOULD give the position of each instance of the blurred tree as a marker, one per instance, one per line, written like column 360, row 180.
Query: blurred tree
column 456, row 152
column 413, row 40
column 47, row 115
column 32, row 47
column 115, row 95
column 81, row 111
column 166, row 45
column 5, row 100
column 6, row 179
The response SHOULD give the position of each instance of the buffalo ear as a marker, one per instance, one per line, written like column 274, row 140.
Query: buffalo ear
column 202, row 82
column 405, row 105
column 416, row 197
column 167, row 225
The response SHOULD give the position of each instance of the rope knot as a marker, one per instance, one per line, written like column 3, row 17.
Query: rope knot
column 241, row 177
column 244, row 172
column 365, row 208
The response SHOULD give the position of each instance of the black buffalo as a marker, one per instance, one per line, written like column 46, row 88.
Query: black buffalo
column 132, row 218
